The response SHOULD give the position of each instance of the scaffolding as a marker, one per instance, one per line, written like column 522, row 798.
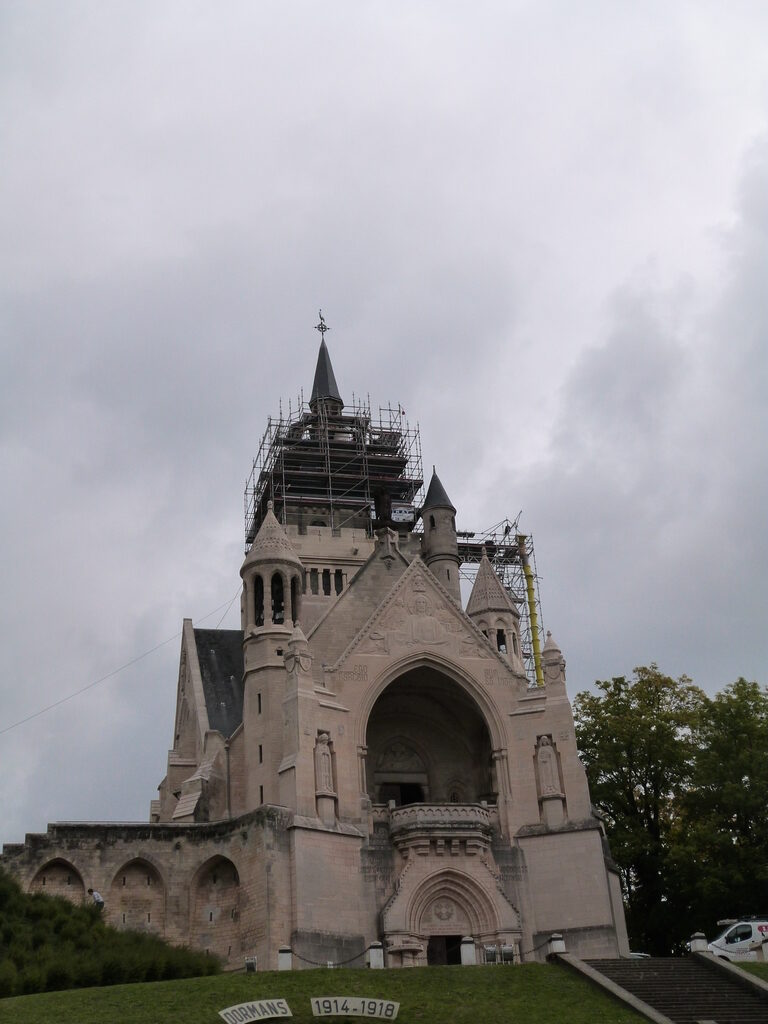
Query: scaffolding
column 346, row 468
column 512, row 556
column 334, row 468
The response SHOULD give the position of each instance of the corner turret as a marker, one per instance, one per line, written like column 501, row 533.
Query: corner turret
column 272, row 584
column 272, row 576
column 494, row 612
column 439, row 546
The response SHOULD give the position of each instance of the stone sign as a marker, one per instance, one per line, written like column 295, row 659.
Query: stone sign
column 260, row 1009
column 353, row 1006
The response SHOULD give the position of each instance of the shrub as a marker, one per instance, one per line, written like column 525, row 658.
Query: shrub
column 48, row 943
column 31, row 979
column 112, row 969
column 58, row 975
column 9, row 978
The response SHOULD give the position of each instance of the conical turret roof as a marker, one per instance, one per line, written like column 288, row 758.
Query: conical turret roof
column 436, row 496
column 488, row 595
column 550, row 647
column 271, row 543
column 324, row 385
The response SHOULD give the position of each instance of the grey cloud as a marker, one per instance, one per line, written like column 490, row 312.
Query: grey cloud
column 518, row 225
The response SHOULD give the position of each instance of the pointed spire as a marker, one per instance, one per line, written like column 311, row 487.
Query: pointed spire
column 324, row 385
column 488, row 594
column 271, row 543
column 436, row 496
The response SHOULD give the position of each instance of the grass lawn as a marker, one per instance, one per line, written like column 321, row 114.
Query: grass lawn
column 759, row 970
column 534, row 993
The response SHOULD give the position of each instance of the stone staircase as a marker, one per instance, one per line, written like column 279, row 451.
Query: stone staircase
column 686, row 990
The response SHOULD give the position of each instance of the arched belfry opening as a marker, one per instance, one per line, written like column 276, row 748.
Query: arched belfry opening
column 428, row 742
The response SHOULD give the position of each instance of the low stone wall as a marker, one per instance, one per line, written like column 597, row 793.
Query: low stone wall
column 200, row 885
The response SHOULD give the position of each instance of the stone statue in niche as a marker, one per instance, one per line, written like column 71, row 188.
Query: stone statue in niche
column 323, row 765
column 546, row 759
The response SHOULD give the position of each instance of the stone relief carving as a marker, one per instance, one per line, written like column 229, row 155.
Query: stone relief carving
column 443, row 910
column 400, row 758
column 415, row 621
column 300, row 659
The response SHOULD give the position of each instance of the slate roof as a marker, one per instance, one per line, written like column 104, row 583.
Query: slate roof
column 324, row 385
column 436, row 496
column 220, row 654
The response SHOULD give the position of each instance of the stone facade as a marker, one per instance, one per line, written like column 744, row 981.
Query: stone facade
column 365, row 760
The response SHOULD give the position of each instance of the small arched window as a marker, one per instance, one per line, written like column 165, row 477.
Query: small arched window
column 294, row 598
column 431, row 522
column 258, row 595
column 501, row 641
column 278, row 599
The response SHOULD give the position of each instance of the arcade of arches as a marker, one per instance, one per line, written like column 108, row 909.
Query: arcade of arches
column 136, row 900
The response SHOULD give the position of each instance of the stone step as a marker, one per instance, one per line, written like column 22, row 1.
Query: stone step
column 685, row 990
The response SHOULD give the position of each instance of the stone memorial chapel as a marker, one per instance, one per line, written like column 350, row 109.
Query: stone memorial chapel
column 366, row 759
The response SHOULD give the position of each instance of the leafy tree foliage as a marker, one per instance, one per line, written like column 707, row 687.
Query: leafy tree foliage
column 636, row 740
column 682, row 780
column 721, row 841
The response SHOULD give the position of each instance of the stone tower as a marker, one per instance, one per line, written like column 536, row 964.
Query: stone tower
column 364, row 760
column 439, row 546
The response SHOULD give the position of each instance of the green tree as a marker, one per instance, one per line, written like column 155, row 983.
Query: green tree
column 636, row 738
column 720, row 845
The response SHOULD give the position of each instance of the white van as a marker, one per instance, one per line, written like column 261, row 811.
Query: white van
column 739, row 939
column 403, row 512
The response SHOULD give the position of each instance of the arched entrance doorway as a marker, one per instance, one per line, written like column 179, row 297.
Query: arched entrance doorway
column 428, row 742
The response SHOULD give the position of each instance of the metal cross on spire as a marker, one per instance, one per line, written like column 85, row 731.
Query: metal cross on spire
column 322, row 326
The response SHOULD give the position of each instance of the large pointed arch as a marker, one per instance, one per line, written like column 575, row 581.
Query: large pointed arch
column 461, row 895
column 425, row 705
column 395, row 670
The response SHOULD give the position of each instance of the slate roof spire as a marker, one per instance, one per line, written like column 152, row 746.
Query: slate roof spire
column 324, row 385
column 436, row 496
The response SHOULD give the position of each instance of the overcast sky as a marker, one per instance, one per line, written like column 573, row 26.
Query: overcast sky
column 540, row 227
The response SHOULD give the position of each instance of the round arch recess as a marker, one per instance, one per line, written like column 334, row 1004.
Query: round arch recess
column 215, row 908
column 136, row 899
column 423, row 730
column 59, row 878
